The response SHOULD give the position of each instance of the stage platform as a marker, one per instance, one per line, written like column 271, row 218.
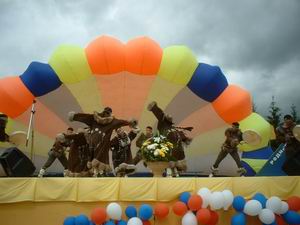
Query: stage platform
column 47, row 201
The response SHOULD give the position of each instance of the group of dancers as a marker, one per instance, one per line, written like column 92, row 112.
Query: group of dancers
column 89, row 147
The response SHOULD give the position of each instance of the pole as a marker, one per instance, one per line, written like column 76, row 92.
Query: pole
column 31, row 130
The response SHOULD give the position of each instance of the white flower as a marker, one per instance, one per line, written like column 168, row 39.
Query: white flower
column 156, row 152
column 156, row 139
column 152, row 146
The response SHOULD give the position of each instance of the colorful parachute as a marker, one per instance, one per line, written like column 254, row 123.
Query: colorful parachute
column 127, row 77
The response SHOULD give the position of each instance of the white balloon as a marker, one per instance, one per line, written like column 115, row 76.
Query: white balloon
column 284, row 208
column 188, row 219
column 216, row 200
column 252, row 208
column 228, row 199
column 274, row 204
column 114, row 211
column 135, row 221
column 266, row 216
column 205, row 194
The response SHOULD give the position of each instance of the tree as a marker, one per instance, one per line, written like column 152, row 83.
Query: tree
column 275, row 115
column 294, row 114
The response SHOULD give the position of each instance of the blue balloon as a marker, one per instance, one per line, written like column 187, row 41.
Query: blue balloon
column 122, row 222
column 82, row 220
column 291, row 217
column 261, row 198
column 130, row 211
column 110, row 222
column 238, row 219
column 145, row 212
column 91, row 223
column 239, row 203
column 69, row 220
column 184, row 197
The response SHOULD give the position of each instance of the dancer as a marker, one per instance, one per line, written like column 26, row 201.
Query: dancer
column 233, row 139
column 101, row 128
column 58, row 152
column 4, row 137
column 139, row 142
column 121, row 152
column 175, row 135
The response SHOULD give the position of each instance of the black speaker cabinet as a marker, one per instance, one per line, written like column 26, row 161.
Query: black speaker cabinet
column 16, row 164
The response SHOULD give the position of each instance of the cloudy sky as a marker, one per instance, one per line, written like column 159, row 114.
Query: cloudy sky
column 256, row 43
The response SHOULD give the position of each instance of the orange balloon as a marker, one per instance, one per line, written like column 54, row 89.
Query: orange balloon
column 98, row 215
column 233, row 105
column 195, row 202
column 294, row 203
column 214, row 218
column 280, row 220
column 203, row 216
column 143, row 56
column 179, row 208
column 106, row 55
column 161, row 210
column 15, row 98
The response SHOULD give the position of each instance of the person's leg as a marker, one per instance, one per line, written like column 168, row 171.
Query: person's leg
column 48, row 163
column 235, row 155
column 223, row 153
column 64, row 161
column 138, row 157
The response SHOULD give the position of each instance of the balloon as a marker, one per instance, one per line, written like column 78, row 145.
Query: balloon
column 134, row 221
column 146, row 222
column 98, row 215
column 291, row 217
column 203, row 216
column 205, row 194
column 145, row 212
column 214, row 218
column 280, row 220
column 179, row 208
column 294, row 203
column 110, row 222
column 184, row 197
column 91, row 223
column 238, row 219
column 266, row 216
column 284, row 208
column 189, row 219
column 274, row 204
column 82, row 220
column 239, row 203
column 216, row 200
column 122, row 222
column 195, row 202
column 130, row 211
column 261, row 198
column 252, row 208
column 228, row 199
column 161, row 210
column 114, row 211
column 69, row 221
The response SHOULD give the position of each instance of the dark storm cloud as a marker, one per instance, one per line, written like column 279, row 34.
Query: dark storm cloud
column 256, row 43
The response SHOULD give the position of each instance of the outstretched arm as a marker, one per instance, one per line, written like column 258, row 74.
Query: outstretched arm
column 158, row 113
column 82, row 117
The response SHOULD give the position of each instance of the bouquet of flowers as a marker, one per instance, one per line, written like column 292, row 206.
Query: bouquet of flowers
column 156, row 149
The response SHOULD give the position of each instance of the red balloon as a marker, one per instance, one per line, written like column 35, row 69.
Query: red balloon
column 214, row 218
column 179, row 208
column 203, row 216
column 195, row 202
column 98, row 215
column 280, row 220
column 161, row 210
column 294, row 203
column 146, row 222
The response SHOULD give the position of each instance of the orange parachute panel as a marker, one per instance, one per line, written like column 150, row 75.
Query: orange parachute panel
column 234, row 104
column 106, row 55
column 143, row 56
column 15, row 98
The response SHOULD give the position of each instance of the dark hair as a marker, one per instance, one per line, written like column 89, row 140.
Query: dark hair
column 3, row 115
column 70, row 128
column 108, row 109
column 236, row 124
column 288, row 117
column 149, row 127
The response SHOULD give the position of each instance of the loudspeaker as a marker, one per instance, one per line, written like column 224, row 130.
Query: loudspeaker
column 292, row 165
column 16, row 164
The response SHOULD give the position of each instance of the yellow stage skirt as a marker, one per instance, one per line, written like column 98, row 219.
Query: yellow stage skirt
column 48, row 201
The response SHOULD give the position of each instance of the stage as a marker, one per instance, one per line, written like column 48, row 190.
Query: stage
column 48, row 201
